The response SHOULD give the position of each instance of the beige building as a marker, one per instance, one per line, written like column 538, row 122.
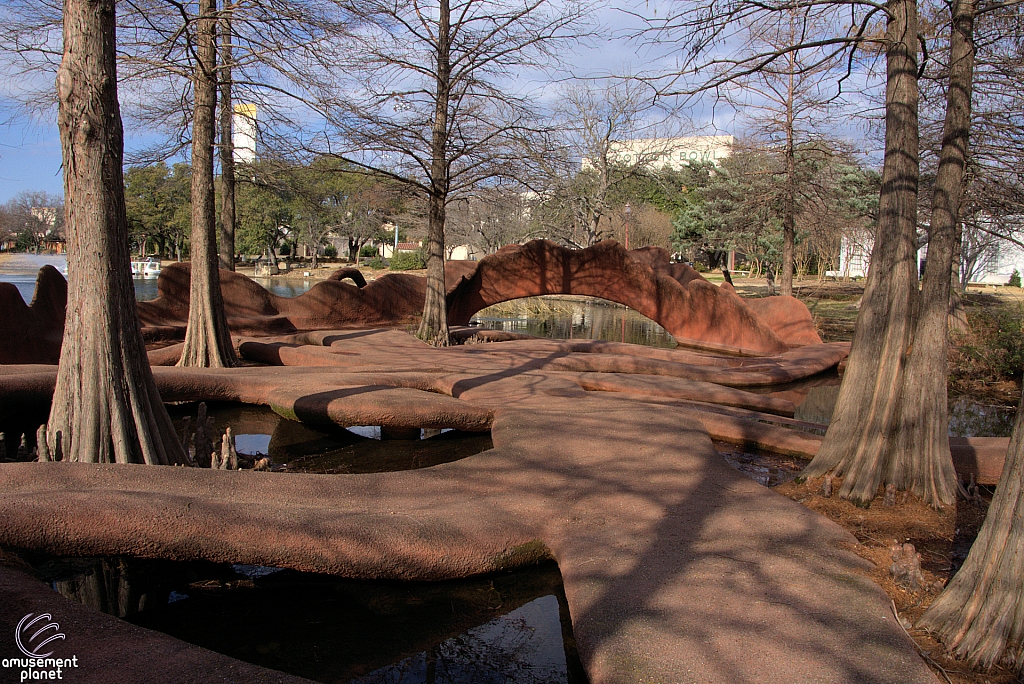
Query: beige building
column 674, row 153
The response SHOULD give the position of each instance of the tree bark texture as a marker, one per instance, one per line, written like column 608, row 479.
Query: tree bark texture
column 227, row 147
column 789, row 201
column 860, row 444
column 106, row 408
column 924, row 437
column 207, row 339
column 434, row 324
column 957, row 314
column 978, row 616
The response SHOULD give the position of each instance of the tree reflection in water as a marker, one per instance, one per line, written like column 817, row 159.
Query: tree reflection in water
column 506, row 627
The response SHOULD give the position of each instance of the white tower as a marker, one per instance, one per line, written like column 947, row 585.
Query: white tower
column 243, row 135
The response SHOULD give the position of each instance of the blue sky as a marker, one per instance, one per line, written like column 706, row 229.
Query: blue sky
column 29, row 158
column 30, row 149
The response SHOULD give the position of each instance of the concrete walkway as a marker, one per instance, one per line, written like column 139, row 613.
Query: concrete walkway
column 677, row 568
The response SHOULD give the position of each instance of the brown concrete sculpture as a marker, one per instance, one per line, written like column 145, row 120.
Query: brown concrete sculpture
column 693, row 310
column 33, row 333
column 391, row 299
column 689, row 307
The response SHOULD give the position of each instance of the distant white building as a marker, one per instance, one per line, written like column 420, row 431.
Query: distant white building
column 854, row 256
column 995, row 267
column 673, row 153
column 999, row 264
column 243, row 136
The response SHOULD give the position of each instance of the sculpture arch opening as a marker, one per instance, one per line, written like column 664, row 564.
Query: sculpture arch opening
column 573, row 317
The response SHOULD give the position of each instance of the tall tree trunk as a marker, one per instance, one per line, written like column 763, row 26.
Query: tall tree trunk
column 978, row 615
column 957, row 314
column 861, row 439
column 227, row 147
column 434, row 324
column 924, row 433
column 789, row 202
column 106, row 408
column 207, row 339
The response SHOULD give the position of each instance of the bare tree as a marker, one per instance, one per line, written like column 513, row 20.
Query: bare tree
column 490, row 218
column 977, row 614
column 227, row 145
column 106, row 407
column 606, row 136
column 429, row 101
column 207, row 338
column 882, row 434
column 787, row 105
column 34, row 218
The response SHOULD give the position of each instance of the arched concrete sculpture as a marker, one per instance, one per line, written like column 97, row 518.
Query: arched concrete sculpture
column 689, row 307
column 693, row 310
column 674, row 295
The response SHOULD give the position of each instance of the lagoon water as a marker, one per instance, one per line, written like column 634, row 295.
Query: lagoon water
column 22, row 269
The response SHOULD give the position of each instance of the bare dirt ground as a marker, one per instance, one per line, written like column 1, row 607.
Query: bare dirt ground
column 943, row 538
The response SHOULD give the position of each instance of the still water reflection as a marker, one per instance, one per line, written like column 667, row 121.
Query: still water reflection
column 574, row 318
column 504, row 627
column 300, row 448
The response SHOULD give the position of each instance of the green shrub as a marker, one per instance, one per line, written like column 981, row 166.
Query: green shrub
column 368, row 251
column 375, row 262
column 1015, row 279
column 407, row 261
column 330, row 252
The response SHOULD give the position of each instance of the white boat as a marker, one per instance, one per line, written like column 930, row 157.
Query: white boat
column 150, row 268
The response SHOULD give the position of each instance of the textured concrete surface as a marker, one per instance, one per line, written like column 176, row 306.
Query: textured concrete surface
column 677, row 568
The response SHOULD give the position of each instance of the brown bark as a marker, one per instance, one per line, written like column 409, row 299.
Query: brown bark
column 924, row 434
column 789, row 201
column 860, row 444
column 434, row 324
column 977, row 616
column 227, row 148
column 957, row 314
column 207, row 339
column 106, row 408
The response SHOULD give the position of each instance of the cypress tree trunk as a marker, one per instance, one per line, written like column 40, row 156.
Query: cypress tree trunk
column 207, row 339
column 227, row 147
column 957, row 314
column 789, row 201
column 434, row 324
column 106, row 408
column 861, row 439
column 978, row 616
column 924, row 437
